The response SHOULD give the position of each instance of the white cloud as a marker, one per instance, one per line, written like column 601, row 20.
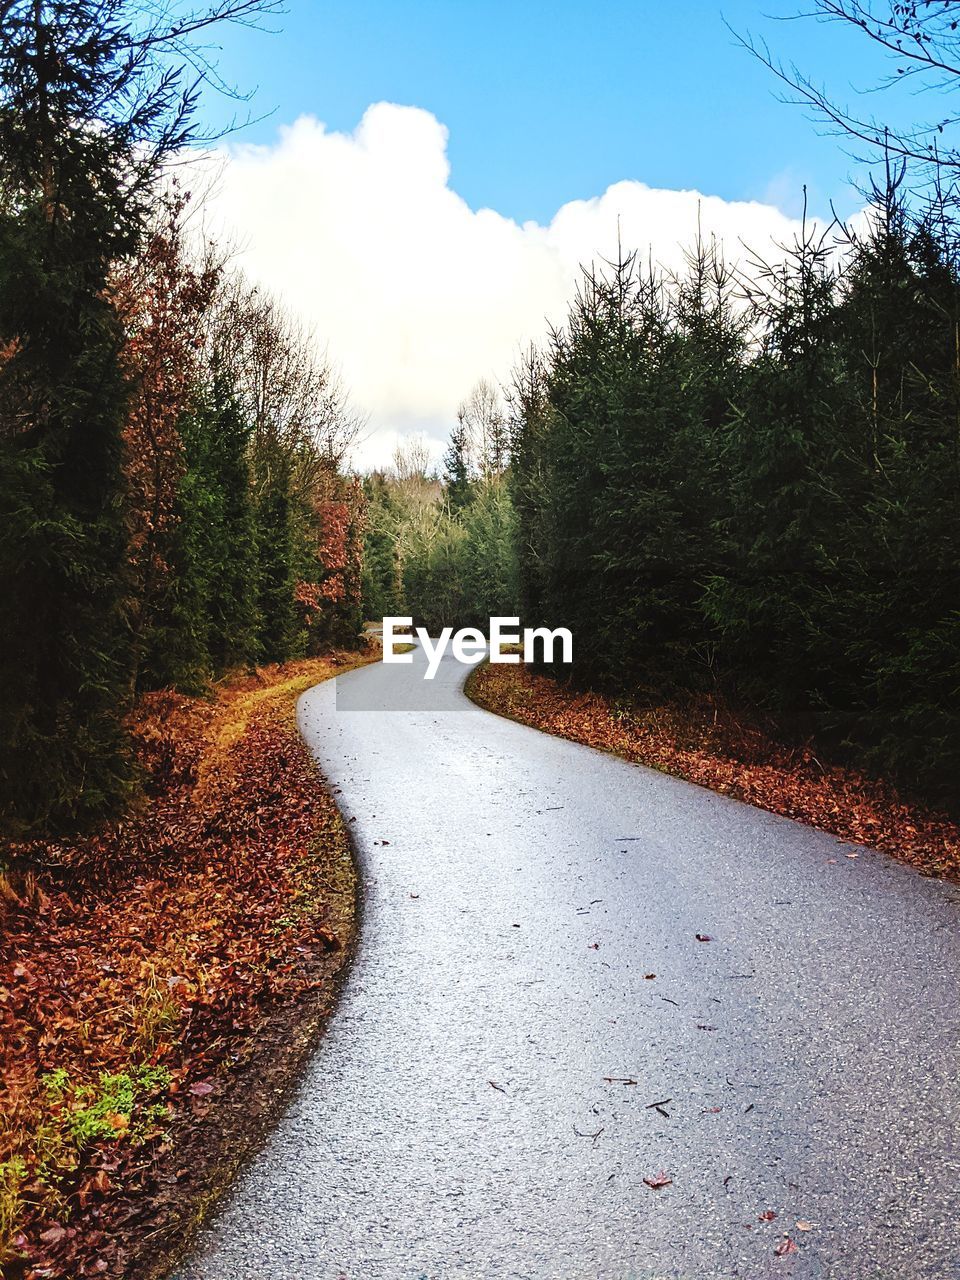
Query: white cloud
column 415, row 294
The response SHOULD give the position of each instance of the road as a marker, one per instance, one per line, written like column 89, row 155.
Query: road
column 469, row 1112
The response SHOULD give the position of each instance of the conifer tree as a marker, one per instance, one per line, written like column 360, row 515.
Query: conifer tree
column 457, row 467
column 90, row 106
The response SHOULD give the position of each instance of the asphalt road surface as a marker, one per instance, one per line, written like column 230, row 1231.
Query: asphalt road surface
column 482, row 1105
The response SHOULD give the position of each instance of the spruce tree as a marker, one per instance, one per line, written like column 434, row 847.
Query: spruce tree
column 457, row 468
column 74, row 177
column 90, row 106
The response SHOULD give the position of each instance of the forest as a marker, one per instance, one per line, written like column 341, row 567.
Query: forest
column 718, row 480
column 736, row 485
column 173, row 501
column 738, row 482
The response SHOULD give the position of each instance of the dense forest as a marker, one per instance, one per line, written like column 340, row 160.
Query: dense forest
column 740, row 481
column 734, row 482
column 737, row 486
column 442, row 548
column 172, row 497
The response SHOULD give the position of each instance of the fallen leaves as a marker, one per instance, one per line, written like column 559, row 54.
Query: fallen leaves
column 706, row 743
column 785, row 1247
column 138, row 964
column 657, row 1181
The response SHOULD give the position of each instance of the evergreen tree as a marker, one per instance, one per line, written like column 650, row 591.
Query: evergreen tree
column 280, row 634
column 457, row 468
column 90, row 106
column 382, row 576
column 75, row 167
column 489, row 560
column 232, row 606
column 208, row 622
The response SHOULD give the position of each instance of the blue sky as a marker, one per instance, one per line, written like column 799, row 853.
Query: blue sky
column 548, row 102
column 427, row 179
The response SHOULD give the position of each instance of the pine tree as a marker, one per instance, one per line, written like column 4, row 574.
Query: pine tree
column 207, row 621
column 382, row 575
column 280, row 633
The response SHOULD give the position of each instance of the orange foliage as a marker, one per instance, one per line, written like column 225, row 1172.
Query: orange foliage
column 708, row 745
column 161, row 942
column 161, row 300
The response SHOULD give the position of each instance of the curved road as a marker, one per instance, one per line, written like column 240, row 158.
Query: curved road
column 467, row 1116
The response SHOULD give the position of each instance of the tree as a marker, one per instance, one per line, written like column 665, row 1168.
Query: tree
column 489, row 558
column 529, row 425
column 784, row 471
column 281, row 635
column 411, row 463
column 206, row 620
column 382, row 573
column 162, row 302
column 301, row 426
column 456, row 464
column 747, row 487
column 91, row 104
column 920, row 40
column 483, row 423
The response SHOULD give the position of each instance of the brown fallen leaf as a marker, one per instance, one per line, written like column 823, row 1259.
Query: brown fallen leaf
column 648, row 976
column 658, row 1181
column 804, row 1226
column 768, row 1215
column 785, row 1246
column 201, row 1088
column 704, row 937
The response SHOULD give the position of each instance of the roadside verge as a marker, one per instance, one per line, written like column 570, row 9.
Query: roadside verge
column 162, row 981
column 714, row 750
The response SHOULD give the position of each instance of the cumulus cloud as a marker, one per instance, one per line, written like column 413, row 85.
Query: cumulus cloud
column 414, row 294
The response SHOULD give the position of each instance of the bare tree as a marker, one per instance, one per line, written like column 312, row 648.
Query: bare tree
column 411, row 461
column 921, row 42
column 484, row 423
column 290, row 390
